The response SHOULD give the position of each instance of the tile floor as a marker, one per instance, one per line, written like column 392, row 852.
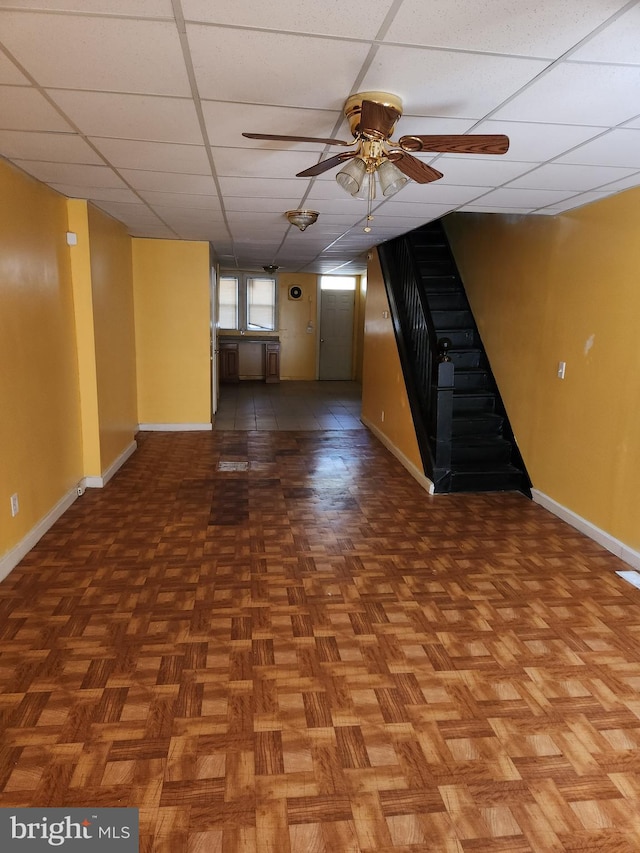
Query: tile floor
column 328, row 405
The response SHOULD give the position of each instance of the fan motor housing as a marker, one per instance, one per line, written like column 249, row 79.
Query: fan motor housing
column 353, row 106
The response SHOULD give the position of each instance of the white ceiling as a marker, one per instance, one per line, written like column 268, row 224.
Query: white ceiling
column 139, row 106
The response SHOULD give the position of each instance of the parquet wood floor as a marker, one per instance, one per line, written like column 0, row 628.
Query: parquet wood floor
column 314, row 655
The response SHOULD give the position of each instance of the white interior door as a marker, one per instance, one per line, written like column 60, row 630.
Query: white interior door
column 336, row 334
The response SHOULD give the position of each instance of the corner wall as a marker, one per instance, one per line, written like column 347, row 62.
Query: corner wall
column 385, row 405
column 565, row 288
column 40, row 430
column 172, row 283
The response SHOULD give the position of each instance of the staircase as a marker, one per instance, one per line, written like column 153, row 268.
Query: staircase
column 481, row 454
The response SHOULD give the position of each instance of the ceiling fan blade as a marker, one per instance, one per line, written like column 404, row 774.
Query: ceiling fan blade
column 414, row 168
column 377, row 120
column 457, row 144
column 276, row 137
column 324, row 165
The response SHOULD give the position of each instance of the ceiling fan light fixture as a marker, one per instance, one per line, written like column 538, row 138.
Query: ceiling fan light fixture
column 367, row 187
column 391, row 178
column 302, row 219
column 351, row 176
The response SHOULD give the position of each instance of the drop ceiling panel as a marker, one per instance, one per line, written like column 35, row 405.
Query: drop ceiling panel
column 226, row 123
column 28, row 109
column 616, row 148
column 135, row 8
column 169, row 182
column 619, row 42
column 430, row 80
column 67, row 51
column 154, row 156
column 500, row 26
column 564, row 176
column 561, row 80
column 265, row 78
column 131, row 116
column 577, row 93
column 61, row 173
column 52, row 147
column 357, row 19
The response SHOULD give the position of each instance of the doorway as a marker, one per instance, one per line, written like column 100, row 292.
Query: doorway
column 337, row 306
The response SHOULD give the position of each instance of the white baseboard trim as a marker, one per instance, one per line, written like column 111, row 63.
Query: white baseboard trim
column 624, row 552
column 174, row 427
column 416, row 473
column 100, row 482
column 13, row 557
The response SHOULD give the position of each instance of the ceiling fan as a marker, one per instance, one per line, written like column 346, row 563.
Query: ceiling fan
column 372, row 119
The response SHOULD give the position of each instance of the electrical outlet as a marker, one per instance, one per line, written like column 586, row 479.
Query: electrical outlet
column 382, row 416
column 15, row 506
column 562, row 366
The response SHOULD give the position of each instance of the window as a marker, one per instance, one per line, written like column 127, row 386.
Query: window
column 247, row 303
column 337, row 282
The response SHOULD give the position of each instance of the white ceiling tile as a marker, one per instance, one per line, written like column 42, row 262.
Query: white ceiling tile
column 26, row 109
column 634, row 123
column 567, row 177
column 500, row 26
column 478, row 171
column 97, row 194
column 271, row 205
column 357, row 19
column 536, row 143
column 133, row 8
column 616, row 148
column 409, row 125
column 68, row 51
column 625, row 184
column 169, row 182
column 573, row 203
column 416, row 210
column 10, row 74
column 531, row 198
column 67, row 173
column 131, row 116
column 618, row 43
column 577, row 93
column 201, row 202
column 130, row 213
column 447, row 83
column 262, row 187
column 438, row 193
column 53, row 147
column 243, row 162
column 226, row 122
column 218, row 54
column 154, row 156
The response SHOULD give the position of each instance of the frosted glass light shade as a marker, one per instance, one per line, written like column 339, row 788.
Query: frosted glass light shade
column 350, row 177
column 391, row 178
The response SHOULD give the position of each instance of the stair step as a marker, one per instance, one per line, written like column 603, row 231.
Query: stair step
column 435, row 266
column 456, row 319
column 447, row 300
column 501, row 478
column 473, row 402
column 476, row 424
column 460, row 338
column 480, row 451
column 472, row 379
column 462, row 358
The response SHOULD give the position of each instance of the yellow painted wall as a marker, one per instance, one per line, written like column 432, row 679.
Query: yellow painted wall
column 80, row 256
column 383, row 388
column 297, row 346
column 40, row 437
column 173, row 331
column 565, row 288
column 114, row 334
